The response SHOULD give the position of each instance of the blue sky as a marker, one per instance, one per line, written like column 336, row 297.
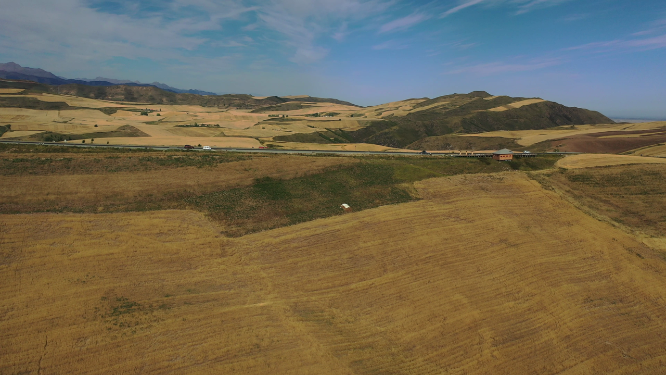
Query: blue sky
column 605, row 55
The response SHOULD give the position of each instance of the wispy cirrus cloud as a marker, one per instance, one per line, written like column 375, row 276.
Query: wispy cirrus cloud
column 520, row 6
column 403, row 23
column 391, row 44
column 460, row 7
column 627, row 45
column 302, row 23
column 499, row 67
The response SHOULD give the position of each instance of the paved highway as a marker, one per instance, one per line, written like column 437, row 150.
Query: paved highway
column 258, row 150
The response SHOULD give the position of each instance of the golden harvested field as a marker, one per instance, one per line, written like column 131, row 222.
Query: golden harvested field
column 602, row 160
column 171, row 124
column 530, row 137
column 631, row 197
column 516, row 105
column 20, row 133
column 11, row 91
column 655, row 151
column 488, row 274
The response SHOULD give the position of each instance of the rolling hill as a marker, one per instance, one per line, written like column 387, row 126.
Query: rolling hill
column 440, row 123
column 476, row 112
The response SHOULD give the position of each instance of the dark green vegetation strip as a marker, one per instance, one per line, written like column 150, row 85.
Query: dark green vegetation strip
column 269, row 203
column 272, row 203
column 106, row 164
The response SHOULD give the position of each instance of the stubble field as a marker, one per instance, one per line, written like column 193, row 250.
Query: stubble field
column 484, row 274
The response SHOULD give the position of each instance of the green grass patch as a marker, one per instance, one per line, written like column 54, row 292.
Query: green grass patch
column 269, row 202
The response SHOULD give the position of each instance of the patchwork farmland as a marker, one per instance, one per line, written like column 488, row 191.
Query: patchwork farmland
column 471, row 273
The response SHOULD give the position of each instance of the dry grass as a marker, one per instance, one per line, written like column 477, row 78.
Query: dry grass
column 630, row 197
column 654, row 151
column 487, row 274
column 333, row 146
column 516, row 105
column 602, row 160
column 68, row 187
column 530, row 137
column 11, row 91
column 75, row 101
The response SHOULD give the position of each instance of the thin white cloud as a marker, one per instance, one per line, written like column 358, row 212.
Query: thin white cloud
column 499, row 67
column 576, row 17
column 651, row 43
column 403, row 23
column 653, row 28
column 524, row 6
column 390, row 44
column 460, row 7
column 534, row 4
column 342, row 33
column 303, row 22
column 309, row 54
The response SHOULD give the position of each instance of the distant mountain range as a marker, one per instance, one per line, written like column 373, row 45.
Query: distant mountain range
column 12, row 70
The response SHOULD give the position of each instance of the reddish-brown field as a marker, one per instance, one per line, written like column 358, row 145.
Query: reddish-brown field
column 609, row 142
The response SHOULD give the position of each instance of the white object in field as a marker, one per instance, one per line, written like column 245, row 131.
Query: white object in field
column 345, row 206
column 207, row 148
column 526, row 152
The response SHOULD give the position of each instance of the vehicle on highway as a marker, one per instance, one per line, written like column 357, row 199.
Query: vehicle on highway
column 188, row 147
column 207, row 148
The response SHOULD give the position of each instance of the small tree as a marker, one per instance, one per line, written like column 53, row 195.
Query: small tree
column 95, row 125
column 83, row 141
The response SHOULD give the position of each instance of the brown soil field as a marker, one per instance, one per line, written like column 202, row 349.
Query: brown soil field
column 487, row 274
column 609, row 142
column 530, row 137
column 602, row 160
